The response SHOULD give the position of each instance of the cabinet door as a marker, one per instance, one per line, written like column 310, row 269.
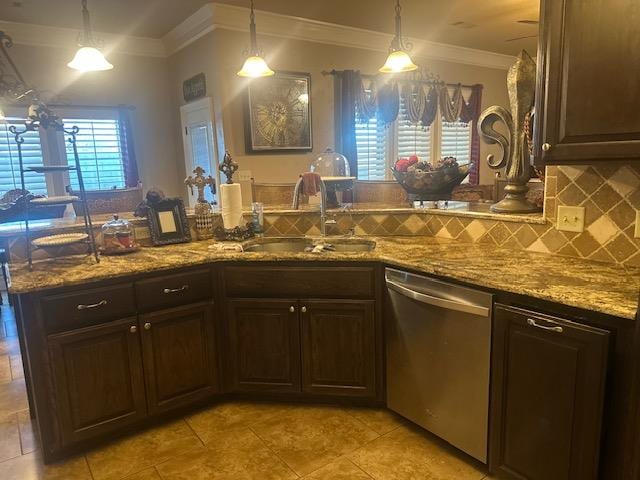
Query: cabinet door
column 588, row 81
column 548, row 388
column 264, row 345
column 179, row 356
column 98, row 379
column 338, row 347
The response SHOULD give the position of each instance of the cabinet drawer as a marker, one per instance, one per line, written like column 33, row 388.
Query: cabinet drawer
column 68, row 311
column 292, row 282
column 173, row 290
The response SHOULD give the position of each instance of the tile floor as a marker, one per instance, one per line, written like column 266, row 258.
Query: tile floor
column 239, row 440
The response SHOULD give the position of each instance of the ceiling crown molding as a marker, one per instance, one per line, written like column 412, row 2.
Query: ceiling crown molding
column 229, row 17
column 56, row 37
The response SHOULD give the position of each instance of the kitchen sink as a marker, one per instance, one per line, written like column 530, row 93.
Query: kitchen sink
column 305, row 245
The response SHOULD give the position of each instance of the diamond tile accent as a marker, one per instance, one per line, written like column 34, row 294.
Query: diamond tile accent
column 624, row 181
column 476, row 229
column 603, row 229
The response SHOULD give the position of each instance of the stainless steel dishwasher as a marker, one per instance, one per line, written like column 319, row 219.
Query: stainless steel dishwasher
column 438, row 353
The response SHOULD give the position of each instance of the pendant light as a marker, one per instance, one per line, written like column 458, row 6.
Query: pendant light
column 88, row 58
column 398, row 60
column 254, row 66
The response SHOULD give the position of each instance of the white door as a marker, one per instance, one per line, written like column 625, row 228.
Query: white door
column 200, row 142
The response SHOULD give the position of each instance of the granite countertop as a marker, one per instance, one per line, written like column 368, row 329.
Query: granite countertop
column 577, row 283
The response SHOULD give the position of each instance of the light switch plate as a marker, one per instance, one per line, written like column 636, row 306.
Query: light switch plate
column 637, row 232
column 570, row 219
column 244, row 175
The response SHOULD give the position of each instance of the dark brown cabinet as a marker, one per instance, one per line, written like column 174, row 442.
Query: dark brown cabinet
column 98, row 379
column 264, row 345
column 338, row 347
column 547, row 395
column 179, row 357
column 587, row 96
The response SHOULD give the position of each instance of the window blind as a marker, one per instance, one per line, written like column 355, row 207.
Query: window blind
column 412, row 139
column 371, row 147
column 456, row 141
column 9, row 162
column 100, row 154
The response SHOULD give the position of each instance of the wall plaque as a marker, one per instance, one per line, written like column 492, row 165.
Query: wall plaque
column 194, row 87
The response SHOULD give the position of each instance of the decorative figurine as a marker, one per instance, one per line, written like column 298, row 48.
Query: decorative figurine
column 228, row 167
column 521, row 84
column 202, row 209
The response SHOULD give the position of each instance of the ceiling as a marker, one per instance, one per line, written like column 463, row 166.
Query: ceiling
column 481, row 24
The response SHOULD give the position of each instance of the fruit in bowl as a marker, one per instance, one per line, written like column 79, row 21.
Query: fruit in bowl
column 422, row 181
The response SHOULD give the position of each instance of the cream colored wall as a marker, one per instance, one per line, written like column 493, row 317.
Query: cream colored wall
column 219, row 56
column 143, row 82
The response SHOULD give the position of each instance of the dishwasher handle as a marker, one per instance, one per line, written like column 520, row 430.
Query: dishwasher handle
column 437, row 301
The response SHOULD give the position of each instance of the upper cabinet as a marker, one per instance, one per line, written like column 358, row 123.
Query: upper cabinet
column 588, row 101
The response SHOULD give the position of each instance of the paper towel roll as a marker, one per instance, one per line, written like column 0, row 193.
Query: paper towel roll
column 231, row 199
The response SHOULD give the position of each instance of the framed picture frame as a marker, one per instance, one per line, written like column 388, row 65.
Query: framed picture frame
column 278, row 114
column 168, row 222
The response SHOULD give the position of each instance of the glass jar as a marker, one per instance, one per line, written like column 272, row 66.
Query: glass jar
column 117, row 237
column 331, row 164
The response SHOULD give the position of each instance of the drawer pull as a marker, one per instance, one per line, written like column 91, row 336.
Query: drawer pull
column 533, row 323
column 101, row 303
column 176, row 290
column 147, row 326
column 133, row 329
column 303, row 309
column 292, row 309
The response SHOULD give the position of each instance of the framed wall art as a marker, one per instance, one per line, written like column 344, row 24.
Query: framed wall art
column 278, row 114
column 168, row 222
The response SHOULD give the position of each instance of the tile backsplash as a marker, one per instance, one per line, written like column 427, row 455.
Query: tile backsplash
column 610, row 196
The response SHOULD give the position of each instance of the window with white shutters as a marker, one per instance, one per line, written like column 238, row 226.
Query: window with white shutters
column 9, row 163
column 455, row 141
column 100, row 153
column 372, row 149
column 411, row 139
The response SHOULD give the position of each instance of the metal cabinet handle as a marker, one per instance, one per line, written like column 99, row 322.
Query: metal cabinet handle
column 147, row 326
column 533, row 323
column 176, row 290
column 303, row 309
column 101, row 303
column 292, row 309
column 133, row 329
column 546, row 147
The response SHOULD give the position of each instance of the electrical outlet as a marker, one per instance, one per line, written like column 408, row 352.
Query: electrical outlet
column 637, row 232
column 570, row 219
column 244, row 175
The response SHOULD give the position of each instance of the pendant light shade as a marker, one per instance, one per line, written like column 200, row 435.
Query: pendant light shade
column 254, row 66
column 398, row 60
column 88, row 58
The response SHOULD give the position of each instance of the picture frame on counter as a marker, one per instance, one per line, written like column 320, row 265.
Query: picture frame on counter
column 168, row 222
column 277, row 115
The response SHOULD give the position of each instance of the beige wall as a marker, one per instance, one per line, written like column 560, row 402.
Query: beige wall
column 143, row 82
column 219, row 56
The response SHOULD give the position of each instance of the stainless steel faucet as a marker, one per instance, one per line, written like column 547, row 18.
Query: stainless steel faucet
column 323, row 205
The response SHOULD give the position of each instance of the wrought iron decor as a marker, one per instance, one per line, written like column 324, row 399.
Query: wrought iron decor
column 515, row 157
column 168, row 222
column 278, row 114
column 12, row 84
column 41, row 117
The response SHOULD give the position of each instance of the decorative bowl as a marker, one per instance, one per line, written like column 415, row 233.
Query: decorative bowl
column 431, row 185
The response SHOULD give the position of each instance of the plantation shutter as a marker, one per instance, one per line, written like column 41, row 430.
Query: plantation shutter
column 9, row 163
column 456, row 141
column 100, row 153
column 413, row 139
column 371, row 146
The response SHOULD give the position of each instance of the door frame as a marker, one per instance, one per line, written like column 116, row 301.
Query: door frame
column 216, row 140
